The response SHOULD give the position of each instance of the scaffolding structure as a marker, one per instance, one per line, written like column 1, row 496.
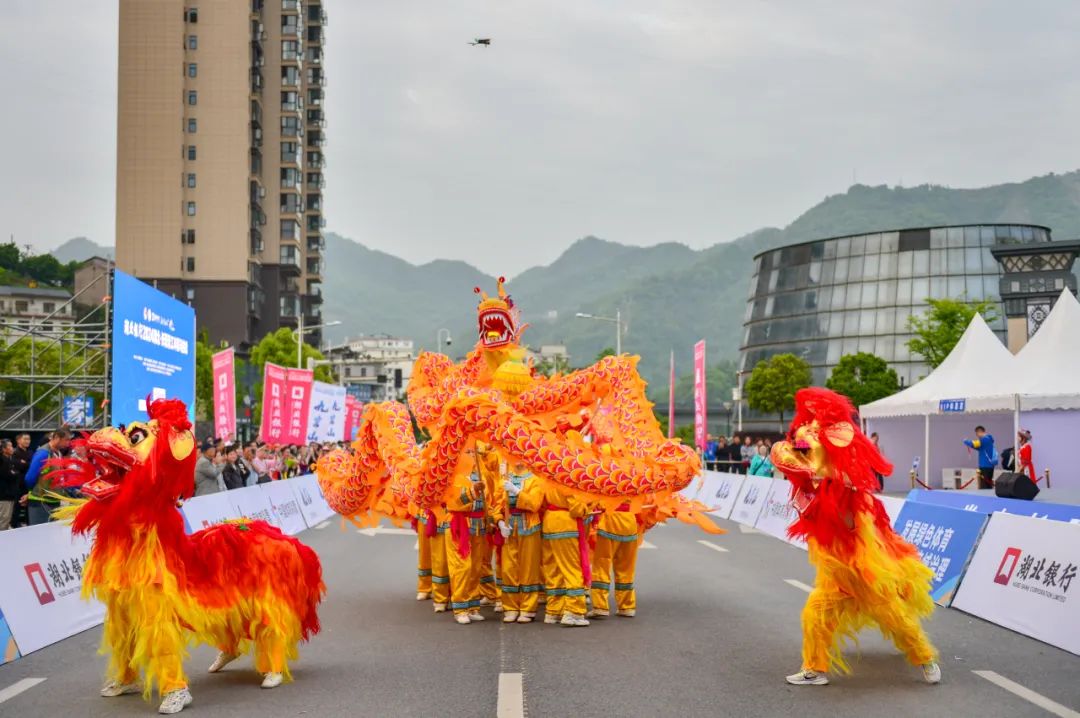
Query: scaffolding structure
column 64, row 361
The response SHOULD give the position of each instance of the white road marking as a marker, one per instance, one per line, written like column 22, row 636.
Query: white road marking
column 380, row 531
column 323, row 525
column 798, row 584
column 18, row 687
column 714, row 547
column 743, row 528
column 646, row 544
column 511, row 696
column 1028, row 695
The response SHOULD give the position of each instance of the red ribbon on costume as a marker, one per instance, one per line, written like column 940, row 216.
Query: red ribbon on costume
column 431, row 528
column 459, row 529
column 583, row 545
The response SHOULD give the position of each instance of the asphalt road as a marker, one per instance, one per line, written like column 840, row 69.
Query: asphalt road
column 715, row 634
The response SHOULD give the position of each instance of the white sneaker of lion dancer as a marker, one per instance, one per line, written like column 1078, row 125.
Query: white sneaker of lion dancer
column 439, row 607
column 475, row 616
column 526, row 617
column 510, row 616
column 572, row 619
column 550, row 619
column 422, row 595
column 223, row 659
column 808, row 678
column 462, row 618
column 175, row 701
column 486, row 602
column 112, row 689
column 931, row 672
column 498, row 607
column 272, row 680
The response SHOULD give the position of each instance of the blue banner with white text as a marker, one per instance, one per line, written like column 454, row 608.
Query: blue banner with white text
column 945, row 538
column 985, row 502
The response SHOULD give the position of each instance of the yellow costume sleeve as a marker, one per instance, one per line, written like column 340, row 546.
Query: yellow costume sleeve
column 532, row 496
column 462, row 497
column 494, row 491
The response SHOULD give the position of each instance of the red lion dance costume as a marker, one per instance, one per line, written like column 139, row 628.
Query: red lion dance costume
column 866, row 574
column 235, row 585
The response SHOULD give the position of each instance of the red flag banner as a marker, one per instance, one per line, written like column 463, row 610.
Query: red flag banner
column 224, row 395
column 699, row 395
column 671, row 398
column 298, row 402
column 354, row 408
column 272, row 424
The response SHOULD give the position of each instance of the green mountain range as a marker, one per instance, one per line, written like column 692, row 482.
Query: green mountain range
column 670, row 295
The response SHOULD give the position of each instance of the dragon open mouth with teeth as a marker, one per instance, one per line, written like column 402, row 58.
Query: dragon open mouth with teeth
column 495, row 321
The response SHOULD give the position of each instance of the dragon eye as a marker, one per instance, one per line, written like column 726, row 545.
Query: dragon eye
column 137, row 435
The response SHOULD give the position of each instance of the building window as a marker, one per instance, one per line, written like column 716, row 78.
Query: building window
column 192, row 70
column 290, row 126
column 48, row 307
column 191, row 14
column 290, row 75
column 192, row 97
column 290, row 49
column 189, row 264
column 190, row 209
column 187, row 236
column 22, row 306
column 193, row 42
column 191, row 152
column 191, row 180
column 290, row 151
column 290, row 229
column 290, row 101
column 189, row 293
column 191, row 125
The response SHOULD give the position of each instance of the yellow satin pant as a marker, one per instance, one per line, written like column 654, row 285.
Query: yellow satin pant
column 465, row 572
column 423, row 560
column 440, row 570
column 520, row 573
column 564, row 583
column 620, row 555
column 489, row 587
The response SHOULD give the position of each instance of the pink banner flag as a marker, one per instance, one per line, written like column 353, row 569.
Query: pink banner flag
column 298, row 402
column 224, row 395
column 272, row 424
column 354, row 408
column 699, row 395
column 671, row 399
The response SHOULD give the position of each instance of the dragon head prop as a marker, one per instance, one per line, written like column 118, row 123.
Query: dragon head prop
column 144, row 464
column 825, row 443
column 496, row 318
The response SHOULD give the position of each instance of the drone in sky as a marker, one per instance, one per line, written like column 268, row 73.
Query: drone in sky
column 485, row 41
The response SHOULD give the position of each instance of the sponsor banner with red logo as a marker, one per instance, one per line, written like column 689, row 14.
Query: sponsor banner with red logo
column 224, row 395
column 1024, row 576
column 778, row 513
column 700, row 416
column 285, row 505
column 274, row 417
column 251, row 502
column 312, row 504
column 40, row 585
column 751, row 499
column 202, row 512
column 298, row 383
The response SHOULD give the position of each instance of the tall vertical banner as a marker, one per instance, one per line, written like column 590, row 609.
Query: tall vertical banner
column 326, row 418
column 699, row 395
column 671, row 398
column 224, row 394
column 272, row 424
column 153, row 349
column 298, row 385
column 354, row 409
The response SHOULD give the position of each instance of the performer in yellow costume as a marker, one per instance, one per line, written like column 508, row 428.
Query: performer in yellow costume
column 866, row 574
column 616, row 548
column 466, row 544
column 519, row 558
column 440, row 568
column 565, row 552
column 423, row 556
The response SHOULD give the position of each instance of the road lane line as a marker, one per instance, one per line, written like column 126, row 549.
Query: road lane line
column 511, row 696
column 18, row 687
column 798, row 584
column 713, row 546
column 1028, row 695
column 323, row 525
column 743, row 528
column 646, row 544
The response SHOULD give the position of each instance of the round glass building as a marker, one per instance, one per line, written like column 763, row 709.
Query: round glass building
column 826, row 298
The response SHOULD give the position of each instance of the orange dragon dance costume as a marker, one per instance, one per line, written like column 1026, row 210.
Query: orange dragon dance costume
column 235, row 585
column 866, row 574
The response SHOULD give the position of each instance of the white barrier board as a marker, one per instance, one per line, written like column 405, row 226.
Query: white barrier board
column 719, row 492
column 778, row 513
column 285, row 505
column 41, row 580
column 312, row 504
column 893, row 506
column 1023, row 576
column 201, row 512
column 251, row 503
column 751, row 499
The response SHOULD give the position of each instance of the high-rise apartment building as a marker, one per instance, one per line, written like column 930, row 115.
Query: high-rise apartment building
column 220, row 157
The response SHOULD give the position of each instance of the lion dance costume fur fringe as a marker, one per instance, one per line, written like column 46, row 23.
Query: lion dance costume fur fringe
column 235, row 585
column 496, row 399
column 866, row 573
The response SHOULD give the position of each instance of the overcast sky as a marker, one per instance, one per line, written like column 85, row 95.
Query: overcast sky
column 638, row 121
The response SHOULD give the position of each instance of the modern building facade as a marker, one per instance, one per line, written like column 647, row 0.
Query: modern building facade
column 826, row 298
column 220, row 155
column 373, row 368
column 41, row 312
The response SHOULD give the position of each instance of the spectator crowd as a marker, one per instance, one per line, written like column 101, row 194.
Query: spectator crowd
column 28, row 497
column 738, row 455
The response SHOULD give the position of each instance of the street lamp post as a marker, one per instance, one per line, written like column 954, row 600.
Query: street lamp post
column 616, row 320
column 300, row 331
column 438, row 338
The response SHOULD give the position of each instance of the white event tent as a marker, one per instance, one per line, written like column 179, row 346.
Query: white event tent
column 1049, row 365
